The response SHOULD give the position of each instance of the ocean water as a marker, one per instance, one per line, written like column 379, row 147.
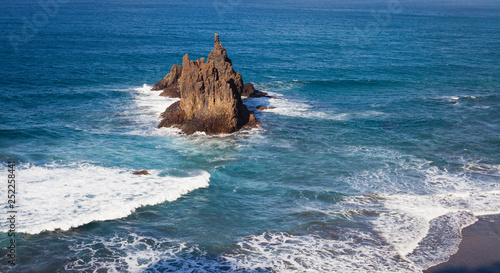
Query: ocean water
column 383, row 145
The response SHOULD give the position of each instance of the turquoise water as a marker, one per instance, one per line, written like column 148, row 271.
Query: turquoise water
column 383, row 145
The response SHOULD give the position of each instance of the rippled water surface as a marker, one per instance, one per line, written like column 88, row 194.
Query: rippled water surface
column 383, row 143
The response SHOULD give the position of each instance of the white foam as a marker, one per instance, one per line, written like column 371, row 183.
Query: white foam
column 418, row 202
column 455, row 99
column 149, row 106
column 410, row 234
column 442, row 240
column 296, row 109
column 131, row 253
column 409, row 218
column 390, row 171
column 492, row 170
column 62, row 197
column 135, row 253
column 151, row 101
column 407, row 223
column 444, row 181
column 394, row 172
column 353, row 251
column 422, row 230
column 278, row 85
column 281, row 106
column 349, row 250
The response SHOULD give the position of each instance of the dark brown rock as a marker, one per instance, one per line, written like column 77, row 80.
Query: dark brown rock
column 171, row 91
column 143, row 172
column 262, row 107
column 210, row 95
column 258, row 94
column 249, row 91
column 172, row 116
column 170, row 83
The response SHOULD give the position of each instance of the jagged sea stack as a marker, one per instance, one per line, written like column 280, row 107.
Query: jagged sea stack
column 210, row 95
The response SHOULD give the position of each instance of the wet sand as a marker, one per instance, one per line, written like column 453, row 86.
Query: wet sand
column 479, row 251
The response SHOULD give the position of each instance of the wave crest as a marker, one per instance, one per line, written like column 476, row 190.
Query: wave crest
column 63, row 197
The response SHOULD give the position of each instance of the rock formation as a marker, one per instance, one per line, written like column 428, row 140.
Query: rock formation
column 249, row 91
column 210, row 95
column 262, row 107
column 170, row 84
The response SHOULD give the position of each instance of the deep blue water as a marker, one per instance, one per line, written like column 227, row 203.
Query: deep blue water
column 383, row 145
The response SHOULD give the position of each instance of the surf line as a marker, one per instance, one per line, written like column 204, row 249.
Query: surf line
column 11, row 212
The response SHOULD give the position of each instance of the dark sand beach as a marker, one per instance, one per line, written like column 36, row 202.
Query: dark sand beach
column 479, row 251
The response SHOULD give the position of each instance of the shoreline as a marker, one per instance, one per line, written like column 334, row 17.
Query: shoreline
column 479, row 250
